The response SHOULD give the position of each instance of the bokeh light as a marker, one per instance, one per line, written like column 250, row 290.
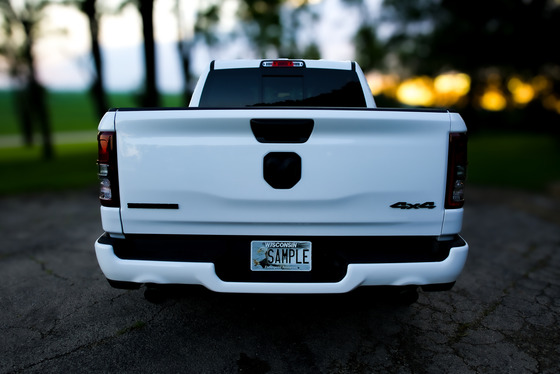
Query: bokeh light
column 451, row 89
column 417, row 91
column 493, row 99
column 522, row 92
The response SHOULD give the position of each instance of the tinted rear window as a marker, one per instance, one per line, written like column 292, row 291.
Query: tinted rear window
column 235, row 88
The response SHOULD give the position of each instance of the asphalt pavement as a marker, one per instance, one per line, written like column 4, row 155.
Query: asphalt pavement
column 58, row 314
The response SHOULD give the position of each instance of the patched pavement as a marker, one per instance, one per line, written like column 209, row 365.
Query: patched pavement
column 58, row 314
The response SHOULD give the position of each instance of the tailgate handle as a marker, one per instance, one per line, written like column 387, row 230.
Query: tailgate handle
column 282, row 130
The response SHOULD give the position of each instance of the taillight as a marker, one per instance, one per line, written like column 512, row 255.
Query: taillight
column 282, row 64
column 456, row 171
column 107, row 169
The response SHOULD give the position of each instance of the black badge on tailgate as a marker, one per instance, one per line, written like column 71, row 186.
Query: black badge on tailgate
column 282, row 170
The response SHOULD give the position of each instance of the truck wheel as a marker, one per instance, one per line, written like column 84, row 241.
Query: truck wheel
column 404, row 296
column 155, row 295
column 124, row 285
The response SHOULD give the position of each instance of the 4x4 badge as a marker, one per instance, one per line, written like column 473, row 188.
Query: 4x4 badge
column 405, row 205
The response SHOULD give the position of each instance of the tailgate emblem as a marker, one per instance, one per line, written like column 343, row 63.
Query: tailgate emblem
column 282, row 170
column 405, row 205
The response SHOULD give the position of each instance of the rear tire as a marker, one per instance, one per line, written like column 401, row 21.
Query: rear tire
column 404, row 296
column 124, row 285
column 438, row 287
column 155, row 295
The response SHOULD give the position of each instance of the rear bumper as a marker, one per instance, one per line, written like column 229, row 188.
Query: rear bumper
column 203, row 273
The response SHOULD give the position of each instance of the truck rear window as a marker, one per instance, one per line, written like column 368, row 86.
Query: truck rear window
column 288, row 87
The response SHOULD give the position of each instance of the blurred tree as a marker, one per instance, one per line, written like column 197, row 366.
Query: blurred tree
column 21, row 26
column 150, row 97
column 298, row 15
column 273, row 26
column 11, row 52
column 491, row 41
column 311, row 52
column 88, row 7
column 184, row 49
column 261, row 21
column 151, row 94
column 369, row 50
column 474, row 35
column 204, row 30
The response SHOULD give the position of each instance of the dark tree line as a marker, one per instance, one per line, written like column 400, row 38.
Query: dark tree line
column 22, row 23
column 262, row 25
column 428, row 37
column 99, row 97
column 510, row 35
column 491, row 41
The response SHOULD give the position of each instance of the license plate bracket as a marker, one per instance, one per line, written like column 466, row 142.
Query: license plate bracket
column 281, row 255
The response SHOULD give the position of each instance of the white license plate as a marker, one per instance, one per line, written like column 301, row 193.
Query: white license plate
column 280, row 255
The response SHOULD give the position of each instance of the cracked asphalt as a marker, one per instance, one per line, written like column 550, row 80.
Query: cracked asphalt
column 58, row 314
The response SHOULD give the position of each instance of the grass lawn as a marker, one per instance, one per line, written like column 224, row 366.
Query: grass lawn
column 71, row 111
column 514, row 160
column 23, row 170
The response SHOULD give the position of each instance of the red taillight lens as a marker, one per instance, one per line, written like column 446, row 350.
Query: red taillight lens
column 104, row 145
column 456, row 171
column 107, row 169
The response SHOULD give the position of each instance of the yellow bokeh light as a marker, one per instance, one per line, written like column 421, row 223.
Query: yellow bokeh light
column 552, row 102
column 541, row 83
column 493, row 99
column 453, row 83
column 382, row 84
column 375, row 82
column 450, row 88
column 416, row 91
column 522, row 93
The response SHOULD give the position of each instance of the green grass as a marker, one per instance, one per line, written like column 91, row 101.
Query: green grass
column 71, row 111
column 514, row 160
column 23, row 171
column 8, row 125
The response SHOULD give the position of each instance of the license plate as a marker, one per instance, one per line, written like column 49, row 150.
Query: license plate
column 280, row 255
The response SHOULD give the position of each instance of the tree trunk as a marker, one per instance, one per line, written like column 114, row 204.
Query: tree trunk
column 36, row 95
column 23, row 109
column 184, row 55
column 39, row 103
column 97, row 89
column 151, row 96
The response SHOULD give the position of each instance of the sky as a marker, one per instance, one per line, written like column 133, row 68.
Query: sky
column 64, row 60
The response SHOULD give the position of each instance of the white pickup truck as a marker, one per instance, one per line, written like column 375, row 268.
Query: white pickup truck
column 282, row 176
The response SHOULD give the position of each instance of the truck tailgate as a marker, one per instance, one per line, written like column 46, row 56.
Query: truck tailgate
column 201, row 171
